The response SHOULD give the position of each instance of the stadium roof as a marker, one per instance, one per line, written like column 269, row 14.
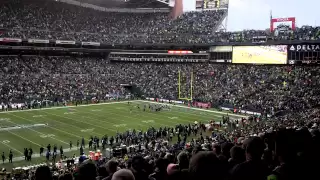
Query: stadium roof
column 127, row 3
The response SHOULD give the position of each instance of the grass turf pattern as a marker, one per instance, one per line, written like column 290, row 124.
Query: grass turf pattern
column 64, row 124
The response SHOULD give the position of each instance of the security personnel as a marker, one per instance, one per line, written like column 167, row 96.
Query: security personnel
column 3, row 157
column 10, row 156
column 41, row 150
column 70, row 144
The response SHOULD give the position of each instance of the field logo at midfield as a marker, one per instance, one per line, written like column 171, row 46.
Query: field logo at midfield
column 5, row 141
column 87, row 130
column 47, row 135
column 69, row 113
column 96, row 110
column 149, row 121
column 38, row 116
column 173, row 117
column 4, row 119
column 120, row 125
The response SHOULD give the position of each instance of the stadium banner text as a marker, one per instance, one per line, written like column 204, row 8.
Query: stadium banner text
column 241, row 111
column 272, row 54
column 39, row 41
column 10, row 40
column 304, row 47
column 278, row 23
column 90, row 43
column 220, row 54
column 304, row 53
column 180, row 52
column 202, row 104
column 164, row 100
column 65, row 42
column 220, row 49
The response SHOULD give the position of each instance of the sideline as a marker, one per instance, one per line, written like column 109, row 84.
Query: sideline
column 206, row 110
column 61, row 107
column 37, row 155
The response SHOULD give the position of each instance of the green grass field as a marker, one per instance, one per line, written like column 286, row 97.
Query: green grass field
column 64, row 124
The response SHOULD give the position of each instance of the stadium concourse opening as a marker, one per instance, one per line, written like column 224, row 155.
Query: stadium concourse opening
column 134, row 90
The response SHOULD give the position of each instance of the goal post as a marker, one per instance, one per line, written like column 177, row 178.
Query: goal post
column 185, row 86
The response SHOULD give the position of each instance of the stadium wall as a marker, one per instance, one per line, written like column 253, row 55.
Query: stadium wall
column 177, row 9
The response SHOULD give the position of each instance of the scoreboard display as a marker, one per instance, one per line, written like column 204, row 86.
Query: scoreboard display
column 271, row 54
column 209, row 4
column 304, row 54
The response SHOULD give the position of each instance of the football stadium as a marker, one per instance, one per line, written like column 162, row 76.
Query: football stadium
column 159, row 90
column 65, row 126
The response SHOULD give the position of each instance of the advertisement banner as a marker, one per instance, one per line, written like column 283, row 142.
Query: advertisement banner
column 10, row 40
column 40, row 41
column 221, row 49
column 180, row 52
column 65, row 42
column 90, row 43
column 304, row 47
column 304, row 53
column 202, row 105
column 242, row 111
column 274, row 54
column 282, row 23
column 164, row 100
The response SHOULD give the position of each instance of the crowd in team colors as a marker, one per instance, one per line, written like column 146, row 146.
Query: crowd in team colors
column 268, row 89
column 30, row 19
column 283, row 148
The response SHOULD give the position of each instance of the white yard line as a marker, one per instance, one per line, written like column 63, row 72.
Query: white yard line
column 10, row 147
column 37, row 155
column 69, row 124
column 205, row 110
column 130, row 117
column 118, row 102
column 61, row 107
column 64, row 131
column 91, row 124
column 165, row 115
column 32, row 142
column 35, row 130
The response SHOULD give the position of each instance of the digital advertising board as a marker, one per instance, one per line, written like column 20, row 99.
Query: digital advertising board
column 304, row 53
column 281, row 22
column 272, row 54
column 220, row 54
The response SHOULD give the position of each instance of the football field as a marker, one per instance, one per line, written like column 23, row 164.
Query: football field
column 60, row 125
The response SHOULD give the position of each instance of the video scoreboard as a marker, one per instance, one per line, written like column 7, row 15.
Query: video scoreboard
column 297, row 54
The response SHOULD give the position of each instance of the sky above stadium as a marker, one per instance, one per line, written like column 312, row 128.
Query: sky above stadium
column 255, row 14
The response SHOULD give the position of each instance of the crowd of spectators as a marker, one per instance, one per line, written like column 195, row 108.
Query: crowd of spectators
column 32, row 19
column 267, row 89
column 285, row 148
